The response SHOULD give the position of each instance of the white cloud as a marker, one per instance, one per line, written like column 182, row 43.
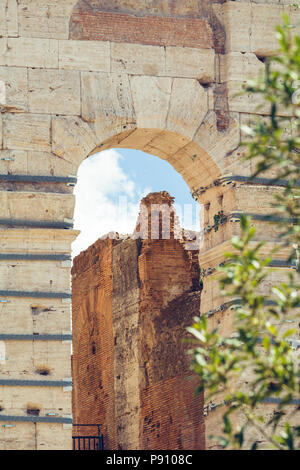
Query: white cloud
column 101, row 182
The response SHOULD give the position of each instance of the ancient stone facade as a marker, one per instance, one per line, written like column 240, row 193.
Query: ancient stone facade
column 132, row 300
column 77, row 77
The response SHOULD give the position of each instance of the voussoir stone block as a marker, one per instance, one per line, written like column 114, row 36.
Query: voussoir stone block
column 42, row 163
column 15, row 87
column 72, row 139
column 50, row 316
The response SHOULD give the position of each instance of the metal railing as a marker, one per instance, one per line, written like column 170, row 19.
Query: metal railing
column 88, row 442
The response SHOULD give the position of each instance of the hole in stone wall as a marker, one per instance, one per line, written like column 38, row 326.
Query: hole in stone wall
column 205, row 84
column 43, row 370
column 33, row 410
column 36, row 310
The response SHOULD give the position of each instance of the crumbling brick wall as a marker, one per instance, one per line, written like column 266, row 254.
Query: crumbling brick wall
column 93, row 347
column 132, row 300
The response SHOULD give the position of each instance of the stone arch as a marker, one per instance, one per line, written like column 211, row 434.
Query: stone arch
column 166, row 117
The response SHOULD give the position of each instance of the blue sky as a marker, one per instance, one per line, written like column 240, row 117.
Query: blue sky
column 110, row 187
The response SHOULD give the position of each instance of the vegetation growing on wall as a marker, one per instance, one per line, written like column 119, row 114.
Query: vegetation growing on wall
column 262, row 345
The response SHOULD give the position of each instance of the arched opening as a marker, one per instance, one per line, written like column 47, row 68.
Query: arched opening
column 132, row 300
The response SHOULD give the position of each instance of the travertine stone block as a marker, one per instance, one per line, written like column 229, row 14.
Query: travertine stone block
column 138, row 59
column 194, row 165
column 207, row 137
column 9, row 18
column 244, row 102
column 36, row 360
column 187, row 108
column 240, row 67
column 1, row 133
column 139, row 138
column 22, row 275
column 236, row 163
column 264, row 21
column 45, row 18
column 37, row 240
column 151, row 97
column 72, row 139
column 17, row 436
column 224, row 321
column 84, row 55
column 18, row 362
column 16, row 87
column 251, row 26
column 36, row 206
column 106, row 98
column 21, row 162
column 54, row 92
column 191, row 63
column 53, row 437
column 13, row 161
column 237, row 16
column 26, row 132
column 166, row 144
column 2, row 92
column 29, row 52
column 261, row 200
column 42, row 163
column 16, row 399
column 293, row 11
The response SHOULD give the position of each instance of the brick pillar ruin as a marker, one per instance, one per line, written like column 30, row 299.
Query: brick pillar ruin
column 132, row 300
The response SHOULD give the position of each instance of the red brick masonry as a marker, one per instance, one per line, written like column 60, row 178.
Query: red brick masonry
column 157, row 31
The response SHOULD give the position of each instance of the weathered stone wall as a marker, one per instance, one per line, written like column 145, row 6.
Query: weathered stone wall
column 161, row 77
column 148, row 292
